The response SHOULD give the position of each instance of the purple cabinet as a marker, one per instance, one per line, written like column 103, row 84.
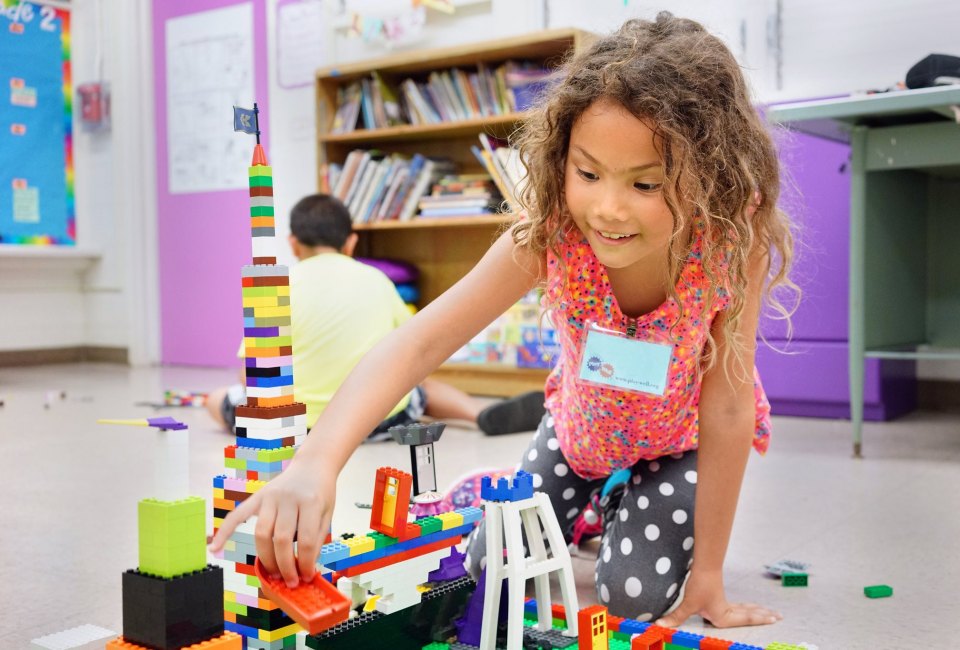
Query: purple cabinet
column 808, row 376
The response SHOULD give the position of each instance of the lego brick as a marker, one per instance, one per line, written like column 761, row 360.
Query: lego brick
column 793, row 579
column 520, row 488
column 878, row 591
column 391, row 502
column 684, row 639
column 450, row 520
column 72, row 638
column 174, row 612
column 711, row 643
column 225, row 641
column 317, row 605
column 593, row 626
column 630, row 626
column 172, row 536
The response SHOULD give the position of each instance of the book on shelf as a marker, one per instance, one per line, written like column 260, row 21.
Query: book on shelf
column 443, row 95
column 460, row 195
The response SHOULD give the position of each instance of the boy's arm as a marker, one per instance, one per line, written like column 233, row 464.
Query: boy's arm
column 727, row 421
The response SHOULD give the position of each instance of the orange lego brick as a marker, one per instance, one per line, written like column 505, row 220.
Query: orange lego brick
column 710, row 643
column 316, row 606
column 649, row 640
column 226, row 641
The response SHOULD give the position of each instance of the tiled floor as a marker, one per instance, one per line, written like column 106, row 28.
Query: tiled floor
column 68, row 510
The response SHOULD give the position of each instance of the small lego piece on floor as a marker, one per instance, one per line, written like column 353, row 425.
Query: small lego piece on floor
column 878, row 591
column 777, row 569
column 793, row 579
column 316, row 605
column 72, row 638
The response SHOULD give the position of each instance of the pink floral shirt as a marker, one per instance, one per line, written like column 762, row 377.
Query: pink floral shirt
column 602, row 429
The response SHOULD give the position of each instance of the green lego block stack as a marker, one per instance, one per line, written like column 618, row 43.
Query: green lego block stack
column 878, row 591
column 794, row 579
column 172, row 536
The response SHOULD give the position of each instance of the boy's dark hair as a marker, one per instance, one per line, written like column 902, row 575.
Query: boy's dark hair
column 321, row 220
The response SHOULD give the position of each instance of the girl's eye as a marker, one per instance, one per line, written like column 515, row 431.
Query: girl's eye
column 647, row 187
column 587, row 176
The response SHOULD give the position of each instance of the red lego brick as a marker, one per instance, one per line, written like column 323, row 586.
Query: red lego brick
column 316, row 605
column 613, row 623
column 397, row 526
column 585, row 625
column 651, row 639
column 230, row 452
column 710, row 643
column 557, row 611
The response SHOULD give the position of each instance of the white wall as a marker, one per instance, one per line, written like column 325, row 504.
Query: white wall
column 825, row 48
column 60, row 298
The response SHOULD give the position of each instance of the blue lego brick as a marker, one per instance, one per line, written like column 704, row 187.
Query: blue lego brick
column 530, row 606
column 470, row 514
column 270, row 382
column 686, row 639
column 519, row 489
column 260, row 466
column 245, row 630
column 218, row 481
column 346, row 563
column 744, row 646
column 630, row 626
column 258, row 444
column 333, row 551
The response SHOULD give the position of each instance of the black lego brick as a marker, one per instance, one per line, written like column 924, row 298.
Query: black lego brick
column 170, row 613
column 409, row 629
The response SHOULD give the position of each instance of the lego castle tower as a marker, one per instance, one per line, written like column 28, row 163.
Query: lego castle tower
column 270, row 425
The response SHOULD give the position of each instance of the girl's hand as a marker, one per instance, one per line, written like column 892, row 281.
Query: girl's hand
column 298, row 504
column 704, row 596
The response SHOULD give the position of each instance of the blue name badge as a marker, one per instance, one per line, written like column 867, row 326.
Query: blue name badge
column 612, row 359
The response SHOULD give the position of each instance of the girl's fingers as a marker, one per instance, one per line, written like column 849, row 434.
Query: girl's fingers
column 677, row 617
column 263, row 534
column 745, row 614
column 310, row 535
column 284, row 532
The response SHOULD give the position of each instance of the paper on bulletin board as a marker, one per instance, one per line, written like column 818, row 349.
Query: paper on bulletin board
column 301, row 45
column 209, row 70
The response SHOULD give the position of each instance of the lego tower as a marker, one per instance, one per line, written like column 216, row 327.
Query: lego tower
column 270, row 425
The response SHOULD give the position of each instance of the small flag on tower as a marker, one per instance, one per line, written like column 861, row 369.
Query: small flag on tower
column 245, row 120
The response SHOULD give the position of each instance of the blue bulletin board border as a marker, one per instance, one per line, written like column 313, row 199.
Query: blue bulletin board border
column 56, row 226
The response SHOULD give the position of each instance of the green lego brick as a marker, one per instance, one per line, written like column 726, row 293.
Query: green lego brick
column 380, row 540
column 793, row 579
column 878, row 591
column 429, row 525
column 776, row 645
column 261, row 181
column 236, row 608
column 261, row 211
column 172, row 536
column 436, row 645
column 260, row 171
column 275, row 455
column 620, row 644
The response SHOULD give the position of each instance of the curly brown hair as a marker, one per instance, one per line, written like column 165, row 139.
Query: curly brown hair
column 720, row 161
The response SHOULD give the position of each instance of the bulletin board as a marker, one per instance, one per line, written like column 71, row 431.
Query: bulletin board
column 36, row 133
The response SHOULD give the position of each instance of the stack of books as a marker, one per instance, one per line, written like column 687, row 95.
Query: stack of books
column 461, row 195
column 376, row 187
column 504, row 165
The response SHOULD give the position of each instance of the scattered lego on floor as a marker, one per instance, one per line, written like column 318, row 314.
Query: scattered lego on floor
column 793, row 579
column 777, row 569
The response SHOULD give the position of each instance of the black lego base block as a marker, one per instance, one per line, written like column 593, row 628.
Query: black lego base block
column 408, row 629
column 167, row 613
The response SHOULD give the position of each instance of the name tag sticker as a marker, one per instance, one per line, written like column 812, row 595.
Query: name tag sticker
column 612, row 359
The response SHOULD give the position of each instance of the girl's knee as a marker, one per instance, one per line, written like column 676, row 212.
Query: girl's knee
column 632, row 593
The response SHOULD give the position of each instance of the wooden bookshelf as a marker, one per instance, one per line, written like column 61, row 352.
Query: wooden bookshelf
column 444, row 249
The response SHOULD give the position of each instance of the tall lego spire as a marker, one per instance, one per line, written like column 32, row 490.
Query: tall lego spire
column 270, row 425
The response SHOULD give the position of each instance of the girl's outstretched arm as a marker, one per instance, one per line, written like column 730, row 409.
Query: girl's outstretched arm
column 298, row 504
column 727, row 421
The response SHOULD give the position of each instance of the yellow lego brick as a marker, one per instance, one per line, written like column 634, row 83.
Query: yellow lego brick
column 271, row 312
column 273, row 635
column 218, row 493
column 450, row 520
column 254, row 486
column 260, row 292
column 359, row 544
column 262, row 301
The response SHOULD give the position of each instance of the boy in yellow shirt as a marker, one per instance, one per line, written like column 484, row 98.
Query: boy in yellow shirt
column 340, row 308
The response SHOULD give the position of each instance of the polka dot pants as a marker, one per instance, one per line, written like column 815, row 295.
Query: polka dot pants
column 647, row 543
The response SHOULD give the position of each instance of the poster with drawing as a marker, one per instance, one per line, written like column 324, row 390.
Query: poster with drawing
column 301, row 43
column 209, row 70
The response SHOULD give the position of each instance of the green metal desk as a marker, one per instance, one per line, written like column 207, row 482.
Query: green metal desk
column 904, row 223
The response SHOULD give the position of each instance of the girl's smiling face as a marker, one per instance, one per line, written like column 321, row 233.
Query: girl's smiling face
column 613, row 186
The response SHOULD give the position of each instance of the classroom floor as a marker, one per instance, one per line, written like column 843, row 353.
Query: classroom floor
column 69, row 526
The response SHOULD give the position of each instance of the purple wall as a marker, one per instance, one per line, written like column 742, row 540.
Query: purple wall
column 203, row 238
column 812, row 378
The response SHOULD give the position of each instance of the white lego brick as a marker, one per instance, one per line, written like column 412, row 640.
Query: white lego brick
column 269, row 391
column 83, row 636
column 264, row 271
